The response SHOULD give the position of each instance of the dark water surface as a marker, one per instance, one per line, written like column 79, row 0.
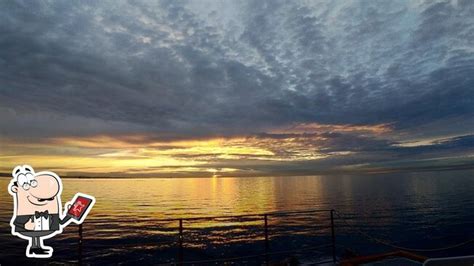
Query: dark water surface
column 419, row 210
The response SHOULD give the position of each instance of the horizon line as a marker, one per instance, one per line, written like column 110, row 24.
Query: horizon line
column 294, row 174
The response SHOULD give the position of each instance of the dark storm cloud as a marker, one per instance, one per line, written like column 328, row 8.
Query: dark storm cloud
column 164, row 65
column 451, row 145
column 176, row 68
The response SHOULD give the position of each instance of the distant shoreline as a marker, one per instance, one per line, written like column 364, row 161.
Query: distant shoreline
column 295, row 174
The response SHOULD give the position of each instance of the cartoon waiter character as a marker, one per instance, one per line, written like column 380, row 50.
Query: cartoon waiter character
column 37, row 212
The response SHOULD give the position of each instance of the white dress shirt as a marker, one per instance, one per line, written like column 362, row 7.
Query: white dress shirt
column 41, row 223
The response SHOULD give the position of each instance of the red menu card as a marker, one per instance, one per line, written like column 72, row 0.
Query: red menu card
column 79, row 207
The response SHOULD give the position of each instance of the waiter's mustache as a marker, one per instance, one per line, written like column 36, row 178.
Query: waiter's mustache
column 50, row 199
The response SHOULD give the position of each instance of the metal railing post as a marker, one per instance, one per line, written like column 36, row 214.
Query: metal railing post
column 267, row 244
column 180, row 250
column 79, row 247
column 333, row 238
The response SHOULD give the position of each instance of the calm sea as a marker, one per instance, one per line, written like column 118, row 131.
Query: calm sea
column 419, row 210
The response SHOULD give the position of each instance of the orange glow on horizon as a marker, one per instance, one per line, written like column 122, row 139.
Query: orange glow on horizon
column 145, row 155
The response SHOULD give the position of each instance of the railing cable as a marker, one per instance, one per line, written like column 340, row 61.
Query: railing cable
column 239, row 258
column 387, row 243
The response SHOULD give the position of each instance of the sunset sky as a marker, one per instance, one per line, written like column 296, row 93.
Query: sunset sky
column 236, row 88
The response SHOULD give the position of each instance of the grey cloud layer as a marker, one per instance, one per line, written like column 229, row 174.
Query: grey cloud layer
column 201, row 68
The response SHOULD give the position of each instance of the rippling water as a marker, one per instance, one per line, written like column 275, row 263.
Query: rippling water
column 423, row 210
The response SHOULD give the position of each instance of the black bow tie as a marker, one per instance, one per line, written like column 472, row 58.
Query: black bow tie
column 45, row 214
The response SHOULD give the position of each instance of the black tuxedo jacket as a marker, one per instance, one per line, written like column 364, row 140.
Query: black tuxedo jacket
column 21, row 220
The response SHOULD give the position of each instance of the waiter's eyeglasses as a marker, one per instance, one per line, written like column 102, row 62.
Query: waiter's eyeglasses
column 33, row 183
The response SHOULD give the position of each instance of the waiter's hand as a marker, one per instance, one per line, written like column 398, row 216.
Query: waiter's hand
column 68, row 206
column 30, row 225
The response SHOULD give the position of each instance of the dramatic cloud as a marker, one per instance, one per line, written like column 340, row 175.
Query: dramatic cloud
column 337, row 82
